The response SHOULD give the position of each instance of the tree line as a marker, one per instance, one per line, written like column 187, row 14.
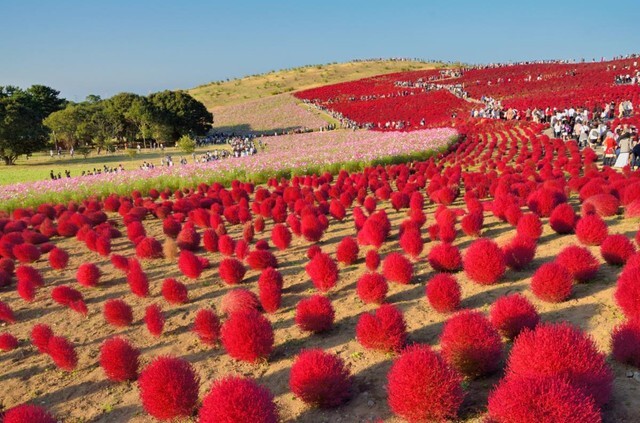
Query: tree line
column 36, row 118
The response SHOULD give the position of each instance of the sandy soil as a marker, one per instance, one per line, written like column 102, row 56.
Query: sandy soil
column 86, row 396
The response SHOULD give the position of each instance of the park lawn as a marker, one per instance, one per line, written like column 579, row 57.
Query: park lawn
column 38, row 166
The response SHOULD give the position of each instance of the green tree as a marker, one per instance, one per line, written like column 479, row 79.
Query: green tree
column 21, row 127
column 186, row 144
column 183, row 113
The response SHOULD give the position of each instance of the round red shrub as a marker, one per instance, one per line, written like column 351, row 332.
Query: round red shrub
column 604, row 204
column 529, row 225
column 563, row 219
column 171, row 227
column 62, row 353
column 627, row 293
column 422, row 387
column 27, row 289
column 470, row 344
column 8, row 342
column 347, row 251
column 313, row 250
column 372, row 288
column 311, row 228
column 397, row 268
column 544, row 200
column 519, row 252
column 119, row 262
column 552, row 282
column 261, row 259
column 88, row 274
column 591, row 230
column 247, row 336
column 58, row 258
column 168, row 388
column 207, row 326
column 280, row 236
column 226, row 245
column 320, row 379
column 119, row 359
column 234, row 399
column 40, row 336
column 137, row 279
column 513, row 313
column 484, row 262
column 239, row 300
column 174, row 292
column 411, row 241
column 154, row 319
column 616, row 249
column 149, row 248
column 231, row 271
column 314, row 314
column 625, row 343
column 445, row 257
column 28, row 413
column 69, row 297
column 270, row 290
column 323, row 272
column 540, row 400
column 28, row 273
column 26, row 253
column 561, row 350
column 189, row 264
column 188, row 238
column 372, row 260
column 443, row 293
column 383, row 330
column 6, row 313
column 472, row 224
column 118, row 313
column 579, row 261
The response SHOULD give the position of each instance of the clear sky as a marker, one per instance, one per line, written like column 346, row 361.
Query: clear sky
column 102, row 47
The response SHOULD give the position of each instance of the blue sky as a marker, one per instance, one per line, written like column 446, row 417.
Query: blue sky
column 105, row 47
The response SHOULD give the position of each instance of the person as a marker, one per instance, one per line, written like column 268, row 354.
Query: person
column 51, row 154
column 609, row 150
column 52, row 175
column 594, row 134
column 624, row 143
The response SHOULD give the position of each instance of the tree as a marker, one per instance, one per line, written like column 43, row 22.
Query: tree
column 185, row 114
column 186, row 144
column 21, row 127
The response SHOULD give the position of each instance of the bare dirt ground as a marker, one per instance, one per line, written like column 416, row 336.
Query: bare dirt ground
column 85, row 395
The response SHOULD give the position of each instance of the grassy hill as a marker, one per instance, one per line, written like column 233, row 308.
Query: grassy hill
column 226, row 93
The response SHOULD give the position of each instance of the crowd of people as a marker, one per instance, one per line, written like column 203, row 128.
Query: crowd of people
column 90, row 172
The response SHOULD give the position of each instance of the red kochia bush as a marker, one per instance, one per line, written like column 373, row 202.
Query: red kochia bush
column 280, row 236
column 563, row 219
column 347, row 251
column 591, row 230
column 154, row 319
column 8, row 342
column 226, row 245
column 189, row 264
column 604, row 204
column 6, row 313
column 320, row 379
column 372, row 288
column 26, row 253
column 579, row 261
column 397, row 268
column 552, row 282
column 443, row 293
column 529, row 225
column 118, row 313
column 311, row 228
column 40, row 336
column 119, row 262
column 315, row 314
column 422, row 387
column 235, row 399
column 62, row 353
column 231, row 271
column 28, row 273
column 383, row 330
column 239, row 300
column 544, row 400
column 513, row 313
column 323, row 272
column 27, row 289
column 168, row 388
column 28, row 413
column 372, row 260
column 627, row 293
column 616, row 249
column 470, row 344
column 411, row 241
column 119, row 359
column 58, row 258
column 261, row 259
column 270, row 290
column 88, row 274
column 174, row 292
column 247, row 336
column 519, row 252
column 484, row 262
column 137, row 279
column 69, row 297
column 445, row 257
column 188, row 238
column 625, row 343
column 472, row 224
column 207, row 326
column 149, row 248
column 561, row 350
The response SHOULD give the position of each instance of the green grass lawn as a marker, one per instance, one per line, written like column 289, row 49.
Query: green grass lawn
column 38, row 166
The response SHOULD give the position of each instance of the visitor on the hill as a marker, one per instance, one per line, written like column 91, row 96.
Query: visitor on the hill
column 609, row 150
column 624, row 145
